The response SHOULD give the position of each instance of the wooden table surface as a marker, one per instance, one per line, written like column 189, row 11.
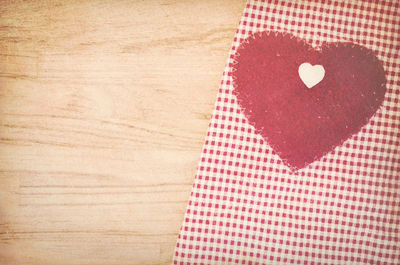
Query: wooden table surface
column 104, row 106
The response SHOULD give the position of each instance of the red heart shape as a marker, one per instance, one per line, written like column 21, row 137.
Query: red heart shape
column 299, row 123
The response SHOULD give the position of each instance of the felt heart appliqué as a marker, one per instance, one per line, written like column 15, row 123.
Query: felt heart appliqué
column 303, row 121
column 311, row 74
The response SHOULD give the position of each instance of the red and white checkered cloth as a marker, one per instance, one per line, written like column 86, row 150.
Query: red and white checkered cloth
column 247, row 207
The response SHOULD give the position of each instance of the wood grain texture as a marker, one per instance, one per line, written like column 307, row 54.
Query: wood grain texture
column 104, row 107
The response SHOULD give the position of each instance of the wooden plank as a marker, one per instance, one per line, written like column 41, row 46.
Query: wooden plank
column 104, row 106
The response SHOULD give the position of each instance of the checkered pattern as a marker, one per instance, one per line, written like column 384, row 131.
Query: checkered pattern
column 247, row 207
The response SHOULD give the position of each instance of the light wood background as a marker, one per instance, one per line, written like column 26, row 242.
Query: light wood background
column 104, row 106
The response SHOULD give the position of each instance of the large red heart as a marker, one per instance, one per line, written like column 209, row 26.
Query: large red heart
column 303, row 124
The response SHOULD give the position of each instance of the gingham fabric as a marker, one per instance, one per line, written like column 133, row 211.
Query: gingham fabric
column 247, row 207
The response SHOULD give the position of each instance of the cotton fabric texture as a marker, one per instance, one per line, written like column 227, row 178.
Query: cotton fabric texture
column 248, row 207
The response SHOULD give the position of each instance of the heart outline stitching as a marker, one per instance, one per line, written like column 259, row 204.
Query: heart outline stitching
column 259, row 130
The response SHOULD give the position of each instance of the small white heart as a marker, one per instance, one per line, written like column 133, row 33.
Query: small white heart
column 311, row 74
